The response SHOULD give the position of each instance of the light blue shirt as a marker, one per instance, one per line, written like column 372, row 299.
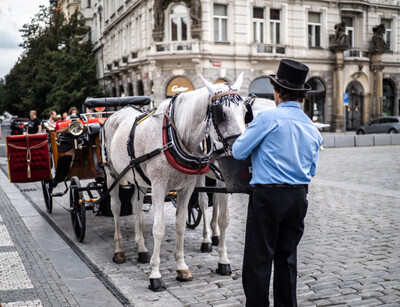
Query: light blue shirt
column 283, row 144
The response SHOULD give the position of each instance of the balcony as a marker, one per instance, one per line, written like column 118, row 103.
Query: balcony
column 174, row 47
column 272, row 49
column 355, row 53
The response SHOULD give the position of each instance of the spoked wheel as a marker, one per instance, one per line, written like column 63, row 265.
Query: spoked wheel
column 194, row 212
column 78, row 210
column 48, row 198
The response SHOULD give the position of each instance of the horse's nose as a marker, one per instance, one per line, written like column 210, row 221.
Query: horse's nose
column 231, row 139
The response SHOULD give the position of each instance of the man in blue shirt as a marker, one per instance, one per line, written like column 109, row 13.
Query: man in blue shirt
column 283, row 144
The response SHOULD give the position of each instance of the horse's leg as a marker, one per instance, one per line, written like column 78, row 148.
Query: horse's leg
column 203, row 204
column 181, row 215
column 224, row 266
column 217, row 197
column 119, row 255
column 140, row 226
column 157, row 199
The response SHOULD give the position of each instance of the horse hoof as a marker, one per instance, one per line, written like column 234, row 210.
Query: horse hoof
column 184, row 275
column 144, row 257
column 224, row 269
column 206, row 248
column 119, row 257
column 215, row 240
column 157, row 285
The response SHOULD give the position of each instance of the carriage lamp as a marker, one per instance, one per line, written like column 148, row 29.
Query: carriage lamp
column 75, row 128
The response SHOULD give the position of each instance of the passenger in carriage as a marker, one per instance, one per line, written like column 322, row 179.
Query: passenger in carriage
column 72, row 112
column 64, row 116
column 283, row 144
column 50, row 124
column 88, row 113
column 34, row 124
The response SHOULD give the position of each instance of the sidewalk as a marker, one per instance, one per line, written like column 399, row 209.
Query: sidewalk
column 37, row 267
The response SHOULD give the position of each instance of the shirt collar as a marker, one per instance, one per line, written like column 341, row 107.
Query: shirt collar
column 289, row 104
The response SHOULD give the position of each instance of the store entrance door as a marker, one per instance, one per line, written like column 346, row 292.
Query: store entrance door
column 354, row 109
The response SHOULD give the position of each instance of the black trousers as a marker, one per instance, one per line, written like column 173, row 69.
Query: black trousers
column 275, row 225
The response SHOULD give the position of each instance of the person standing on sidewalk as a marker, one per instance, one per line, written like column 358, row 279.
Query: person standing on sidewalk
column 283, row 144
column 34, row 124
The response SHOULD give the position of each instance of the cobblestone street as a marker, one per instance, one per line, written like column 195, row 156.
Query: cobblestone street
column 349, row 254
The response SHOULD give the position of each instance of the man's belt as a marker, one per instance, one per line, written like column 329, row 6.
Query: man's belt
column 286, row 186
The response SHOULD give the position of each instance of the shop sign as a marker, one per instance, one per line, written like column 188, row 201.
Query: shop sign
column 178, row 85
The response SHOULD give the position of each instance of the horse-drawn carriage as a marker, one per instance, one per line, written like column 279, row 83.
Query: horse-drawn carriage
column 140, row 150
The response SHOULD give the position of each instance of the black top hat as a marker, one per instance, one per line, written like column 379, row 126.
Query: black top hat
column 291, row 75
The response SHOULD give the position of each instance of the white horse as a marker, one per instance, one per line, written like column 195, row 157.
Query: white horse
column 216, row 108
column 220, row 215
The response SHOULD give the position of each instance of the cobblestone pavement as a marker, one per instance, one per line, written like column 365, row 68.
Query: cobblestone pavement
column 27, row 277
column 349, row 254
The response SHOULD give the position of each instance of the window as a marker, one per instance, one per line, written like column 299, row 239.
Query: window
column 388, row 104
column 349, row 30
column 258, row 25
column 275, row 26
column 314, row 29
column 388, row 34
column 178, row 23
column 220, row 23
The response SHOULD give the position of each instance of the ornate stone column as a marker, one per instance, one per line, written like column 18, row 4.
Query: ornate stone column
column 338, row 43
column 377, row 86
column 338, row 120
column 378, row 47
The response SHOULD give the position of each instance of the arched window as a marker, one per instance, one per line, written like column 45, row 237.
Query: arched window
column 262, row 88
column 130, row 89
column 140, row 88
column 388, row 98
column 315, row 100
column 354, row 109
column 178, row 21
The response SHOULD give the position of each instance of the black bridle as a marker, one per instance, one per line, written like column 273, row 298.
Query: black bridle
column 216, row 115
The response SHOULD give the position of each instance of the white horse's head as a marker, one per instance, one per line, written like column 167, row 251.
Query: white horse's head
column 262, row 104
column 227, row 111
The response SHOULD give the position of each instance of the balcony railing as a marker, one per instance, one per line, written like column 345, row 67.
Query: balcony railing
column 173, row 46
column 355, row 53
column 262, row 48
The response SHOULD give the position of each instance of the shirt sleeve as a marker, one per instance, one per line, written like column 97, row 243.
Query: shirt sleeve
column 251, row 137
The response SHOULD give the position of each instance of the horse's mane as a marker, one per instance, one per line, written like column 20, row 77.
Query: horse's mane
column 190, row 106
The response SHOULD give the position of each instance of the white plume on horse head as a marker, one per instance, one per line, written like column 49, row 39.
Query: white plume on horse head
column 238, row 84
column 209, row 85
column 212, row 88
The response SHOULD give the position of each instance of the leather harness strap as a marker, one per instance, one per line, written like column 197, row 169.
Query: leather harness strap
column 131, row 147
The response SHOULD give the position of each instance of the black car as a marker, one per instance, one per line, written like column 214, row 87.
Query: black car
column 19, row 125
column 386, row 124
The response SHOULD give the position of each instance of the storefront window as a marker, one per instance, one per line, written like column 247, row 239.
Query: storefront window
column 315, row 100
column 262, row 88
column 388, row 99
column 178, row 85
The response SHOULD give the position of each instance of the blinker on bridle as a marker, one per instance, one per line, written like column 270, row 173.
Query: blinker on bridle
column 217, row 115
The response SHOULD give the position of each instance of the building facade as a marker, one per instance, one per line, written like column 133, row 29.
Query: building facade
column 159, row 48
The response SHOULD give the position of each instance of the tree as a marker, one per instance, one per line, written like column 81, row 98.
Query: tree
column 57, row 68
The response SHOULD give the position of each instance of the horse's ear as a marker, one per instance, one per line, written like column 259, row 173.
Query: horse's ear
column 209, row 85
column 238, row 83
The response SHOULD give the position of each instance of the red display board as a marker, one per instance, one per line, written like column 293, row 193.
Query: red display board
column 28, row 157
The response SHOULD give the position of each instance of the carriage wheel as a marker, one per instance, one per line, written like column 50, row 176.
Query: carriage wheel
column 194, row 212
column 48, row 198
column 78, row 209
